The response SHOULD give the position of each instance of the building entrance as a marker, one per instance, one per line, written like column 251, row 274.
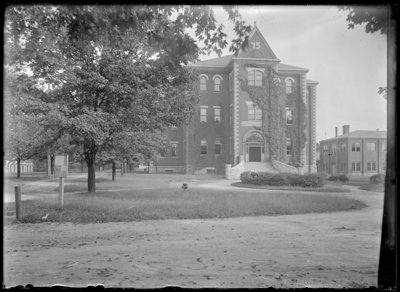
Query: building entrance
column 254, row 153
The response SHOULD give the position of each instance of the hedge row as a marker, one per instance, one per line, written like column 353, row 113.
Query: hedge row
column 308, row 180
column 377, row 178
column 341, row 177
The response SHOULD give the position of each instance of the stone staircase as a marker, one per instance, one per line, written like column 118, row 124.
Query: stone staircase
column 260, row 166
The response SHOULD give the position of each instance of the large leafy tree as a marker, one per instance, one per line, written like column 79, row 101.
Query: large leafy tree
column 113, row 69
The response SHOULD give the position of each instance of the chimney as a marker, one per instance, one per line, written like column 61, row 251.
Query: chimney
column 335, row 131
column 346, row 129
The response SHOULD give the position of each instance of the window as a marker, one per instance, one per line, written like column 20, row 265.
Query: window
column 325, row 166
column 210, row 171
column 217, row 115
column 203, row 150
column 371, row 147
column 325, row 149
column 203, row 115
column 344, row 147
column 343, row 166
column 230, row 81
column 356, row 166
column 288, row 146
column 289, row 120
column 255, row 78
column 289, row 85
column 255, row 112
column 371, row 166
column 174, row 150
column 217, row 83
column 355, row 147
column 203, row 83
column 384, row 147
column 230, row 114
column 217, row 147
column 333, row 148
column 231, row 145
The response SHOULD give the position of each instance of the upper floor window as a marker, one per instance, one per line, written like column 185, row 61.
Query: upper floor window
column 371, row 147
column 174, row 149
column 325, row 149
column 288, row 146
column 203, row 82
column 217, row 147
column 344, row 147
column 231, row 81
column 333, row 148
column 355, row 147
column 255, row 112
column 289, row 120
column 217, row 83
column 289, row 85
column 203, row 150
column 217, row 115
column 255, row 78
column 230, row 113
column 203, row 115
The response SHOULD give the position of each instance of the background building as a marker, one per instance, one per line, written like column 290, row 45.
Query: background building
column 224, row 130
column 354, row 153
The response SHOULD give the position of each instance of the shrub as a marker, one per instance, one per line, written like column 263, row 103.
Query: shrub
column 293, row 179
column 312, row 180
column 333, row 177
column 377, row 179
column 343, row 177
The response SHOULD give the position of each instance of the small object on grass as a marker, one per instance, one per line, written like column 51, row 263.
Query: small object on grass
column 45, row 217
column 184, row 186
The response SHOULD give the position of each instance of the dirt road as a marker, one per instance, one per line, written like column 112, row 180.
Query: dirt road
column 332, row 250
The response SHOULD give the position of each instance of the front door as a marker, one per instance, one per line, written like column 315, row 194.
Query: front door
column 255, row 153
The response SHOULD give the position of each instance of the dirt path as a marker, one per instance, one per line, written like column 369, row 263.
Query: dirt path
column 332, row 250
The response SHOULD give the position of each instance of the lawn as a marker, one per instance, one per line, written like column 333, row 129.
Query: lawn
column 154, row 197
column 326, row 189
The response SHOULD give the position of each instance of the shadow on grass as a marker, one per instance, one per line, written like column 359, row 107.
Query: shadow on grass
column 138, row 205
column 293, row 189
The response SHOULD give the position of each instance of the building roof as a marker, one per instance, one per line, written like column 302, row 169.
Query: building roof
column 311, row 81
column 225, row 60
column 361, row 134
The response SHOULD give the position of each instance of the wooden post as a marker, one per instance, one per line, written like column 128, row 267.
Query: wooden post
column 61, row 193
column 18, row 202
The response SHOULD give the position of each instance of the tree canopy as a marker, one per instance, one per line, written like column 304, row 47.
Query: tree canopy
column 116, row 73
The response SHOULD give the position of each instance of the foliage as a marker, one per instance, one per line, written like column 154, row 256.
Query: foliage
column 375, row 18
column 115, row 71
column 324, row 189
column 309, row 180
column 378, row 178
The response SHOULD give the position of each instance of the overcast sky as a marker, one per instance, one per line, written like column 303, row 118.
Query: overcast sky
column 349, row 64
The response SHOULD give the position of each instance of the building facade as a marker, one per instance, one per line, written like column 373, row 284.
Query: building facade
column 354, row 153
column 227, row 127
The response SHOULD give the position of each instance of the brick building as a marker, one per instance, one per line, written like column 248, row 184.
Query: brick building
column 222, row 137
column 354, row 153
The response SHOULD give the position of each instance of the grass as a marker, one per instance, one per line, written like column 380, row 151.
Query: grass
column 170, row 203
column 80, row 184
column 373, row 188
column 334, row 189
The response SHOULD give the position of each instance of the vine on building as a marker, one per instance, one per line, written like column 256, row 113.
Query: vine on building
column 267, row 98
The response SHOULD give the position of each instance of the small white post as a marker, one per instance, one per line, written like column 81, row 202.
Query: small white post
column 61, row 193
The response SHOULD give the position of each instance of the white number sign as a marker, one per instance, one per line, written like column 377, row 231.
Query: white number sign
column 256, row 45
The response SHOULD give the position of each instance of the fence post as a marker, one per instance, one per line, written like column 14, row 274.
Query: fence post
column 18, row 202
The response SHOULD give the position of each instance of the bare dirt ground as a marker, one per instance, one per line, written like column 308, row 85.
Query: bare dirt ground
column 333, row 250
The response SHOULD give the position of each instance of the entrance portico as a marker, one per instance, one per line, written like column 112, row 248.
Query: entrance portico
column 255, row 148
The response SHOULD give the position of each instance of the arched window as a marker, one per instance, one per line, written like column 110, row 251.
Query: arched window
column 289, row 85
column 203, row 83
column 255, row 78
column 217, row 83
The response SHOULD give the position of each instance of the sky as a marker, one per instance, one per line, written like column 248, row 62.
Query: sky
column 349, row 64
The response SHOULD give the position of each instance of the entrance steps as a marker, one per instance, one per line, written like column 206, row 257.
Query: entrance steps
column 260, row 166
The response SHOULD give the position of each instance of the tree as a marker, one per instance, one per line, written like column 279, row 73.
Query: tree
column 384, row 19
column 113, row 68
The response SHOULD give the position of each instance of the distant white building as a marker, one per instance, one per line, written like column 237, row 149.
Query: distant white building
column 11, row 166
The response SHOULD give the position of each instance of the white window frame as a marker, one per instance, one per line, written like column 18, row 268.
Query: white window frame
column 205, row 84
column 203, row 118
column 287, row 116
column 371, row 147
column 203, row 143
column 287, row 87
column 217, row 86
column 231, row 81
column 356, row 147
column 217, row 108
column 217, row 142
column 252, row 70
column 176, row 149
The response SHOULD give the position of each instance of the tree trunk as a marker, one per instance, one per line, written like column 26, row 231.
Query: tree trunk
column 91, row 176
column 52, row 164
column 114, row 171
column 387, row 257
column 18, row 167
